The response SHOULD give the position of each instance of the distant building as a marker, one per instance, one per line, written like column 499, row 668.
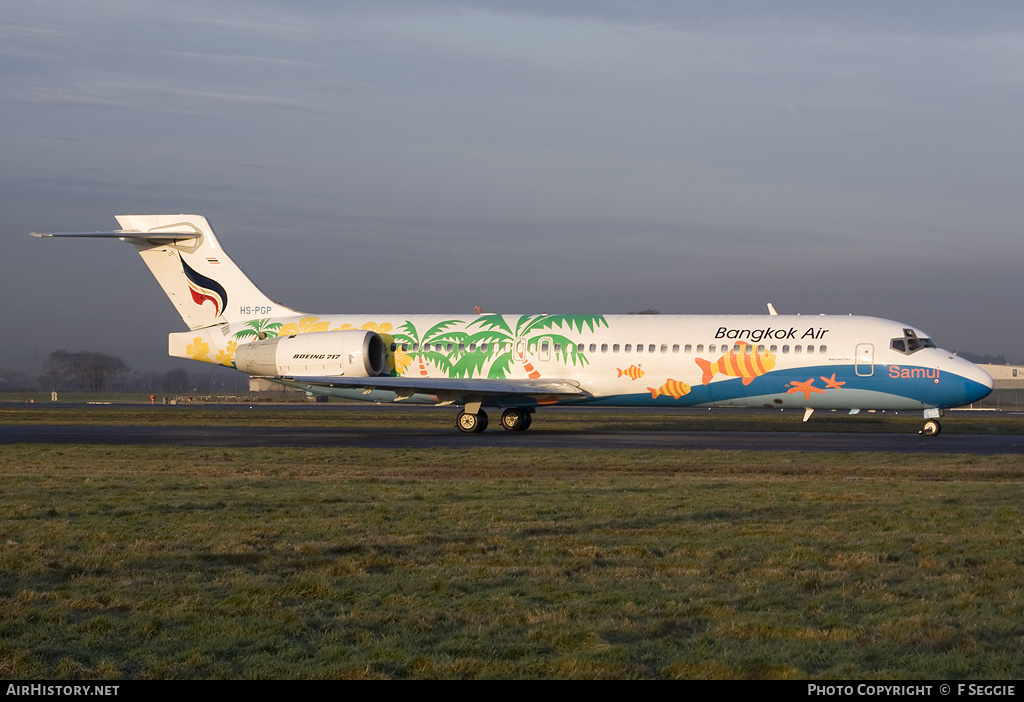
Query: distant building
column 1007, row 386
column 1006, row 376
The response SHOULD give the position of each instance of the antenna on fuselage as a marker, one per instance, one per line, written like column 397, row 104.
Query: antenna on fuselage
column 771, row 309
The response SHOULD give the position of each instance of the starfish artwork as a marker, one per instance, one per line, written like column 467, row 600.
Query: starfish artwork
column 833, row 383
column 806, row 387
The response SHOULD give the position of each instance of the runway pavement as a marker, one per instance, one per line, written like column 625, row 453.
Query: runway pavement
column 535, row 438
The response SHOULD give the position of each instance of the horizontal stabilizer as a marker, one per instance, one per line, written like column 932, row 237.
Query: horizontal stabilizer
column 126, row 234
column 182, row 253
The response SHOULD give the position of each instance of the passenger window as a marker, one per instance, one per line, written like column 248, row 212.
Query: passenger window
column 760, row 349
column 558, row 348
column 798, row 348
column 688, row 348
column 700, row 348
column 823, row 349
column 675, row 348
column 774, row 348
column 785, row 348
column 650, row 349
column 711, row 348
column 810, row 349
column 629, row 347
column 604, row 348
column 615, row 348
column 593, row 348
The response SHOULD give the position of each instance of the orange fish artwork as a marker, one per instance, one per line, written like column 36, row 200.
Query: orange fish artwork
column 633, row 372
column 675, row 388
column 746, row 365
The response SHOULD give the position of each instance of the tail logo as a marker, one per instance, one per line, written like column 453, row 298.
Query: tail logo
column 203, row 288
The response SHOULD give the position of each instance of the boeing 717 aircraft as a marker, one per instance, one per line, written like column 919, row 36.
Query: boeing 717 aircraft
column 516, row 363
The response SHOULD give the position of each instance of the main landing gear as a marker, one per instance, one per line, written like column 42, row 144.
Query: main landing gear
column 471, row 423
column 516, row 419
column 512, row 419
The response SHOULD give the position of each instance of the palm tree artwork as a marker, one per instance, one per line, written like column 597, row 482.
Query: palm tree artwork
column 503, row 347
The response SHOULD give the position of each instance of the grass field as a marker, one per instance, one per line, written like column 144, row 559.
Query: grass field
column 165, row 562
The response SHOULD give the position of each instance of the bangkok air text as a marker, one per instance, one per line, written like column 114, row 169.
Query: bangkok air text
column 756, row 335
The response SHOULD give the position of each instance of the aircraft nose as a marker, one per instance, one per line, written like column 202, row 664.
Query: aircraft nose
column 977, row 383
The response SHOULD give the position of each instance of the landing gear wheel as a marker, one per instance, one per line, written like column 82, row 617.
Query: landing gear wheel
column 516, row 419
column 931, row 428
column 471, row 423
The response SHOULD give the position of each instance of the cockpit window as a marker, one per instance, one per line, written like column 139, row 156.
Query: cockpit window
column 910, row 342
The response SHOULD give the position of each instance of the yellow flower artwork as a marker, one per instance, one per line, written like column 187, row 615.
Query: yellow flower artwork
column 400, row 360
column 198, row 350
column 304, row 326
column 227, row 356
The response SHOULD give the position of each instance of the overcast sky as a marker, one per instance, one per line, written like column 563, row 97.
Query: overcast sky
column 863, row 158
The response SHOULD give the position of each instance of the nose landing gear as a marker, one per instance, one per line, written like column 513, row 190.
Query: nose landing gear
column 931, row 422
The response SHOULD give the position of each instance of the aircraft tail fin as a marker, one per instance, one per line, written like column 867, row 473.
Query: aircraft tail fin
column 183, row 254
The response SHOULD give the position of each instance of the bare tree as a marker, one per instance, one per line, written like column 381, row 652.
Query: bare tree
column 84, row 370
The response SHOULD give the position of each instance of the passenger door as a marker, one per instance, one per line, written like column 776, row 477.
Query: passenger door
column 864, row 364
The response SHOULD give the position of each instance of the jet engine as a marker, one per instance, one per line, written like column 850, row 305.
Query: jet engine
column 354, row 353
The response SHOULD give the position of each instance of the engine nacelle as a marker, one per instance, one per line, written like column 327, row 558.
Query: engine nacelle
column 355, row 353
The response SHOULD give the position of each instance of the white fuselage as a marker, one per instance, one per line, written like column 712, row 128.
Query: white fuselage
column 827, row 361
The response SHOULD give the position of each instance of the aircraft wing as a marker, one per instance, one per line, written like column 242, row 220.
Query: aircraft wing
column 447, row 390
